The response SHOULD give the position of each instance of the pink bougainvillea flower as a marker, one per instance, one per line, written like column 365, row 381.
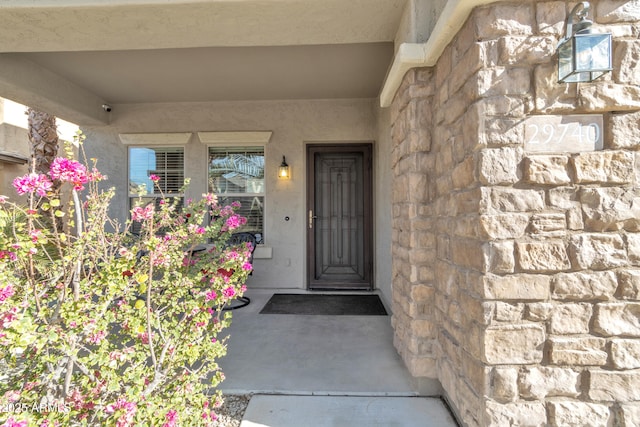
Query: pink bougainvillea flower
column 172, row 418
column 140, row 214
column 229, row 292
column 35, row 234
column 12, row 422
column 67, row 170
column 247, row 266
column 210, row 296
column 32, row 182
column 6, row 292
column 130, row 408
column 154, row 177
column 235, row 221
column 97, row 337
column 8, row 254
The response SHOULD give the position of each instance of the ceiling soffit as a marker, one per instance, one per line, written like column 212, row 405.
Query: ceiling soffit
column 72, row 25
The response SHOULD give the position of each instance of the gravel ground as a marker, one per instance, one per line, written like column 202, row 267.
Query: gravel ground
column 231, row 412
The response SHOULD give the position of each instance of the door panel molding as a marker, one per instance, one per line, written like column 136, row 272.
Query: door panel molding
column 340, row 226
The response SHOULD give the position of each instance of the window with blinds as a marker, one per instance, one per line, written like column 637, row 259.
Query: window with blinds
column 165, row 162
column 237, row 174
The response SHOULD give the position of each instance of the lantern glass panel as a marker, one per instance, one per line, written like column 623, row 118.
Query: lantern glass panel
column 565, row 60
column 593, row 52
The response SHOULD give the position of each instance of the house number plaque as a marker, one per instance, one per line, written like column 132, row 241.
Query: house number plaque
column 572, row 133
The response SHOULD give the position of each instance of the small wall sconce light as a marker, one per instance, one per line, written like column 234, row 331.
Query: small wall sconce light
column 583, row 56
column 283, row 170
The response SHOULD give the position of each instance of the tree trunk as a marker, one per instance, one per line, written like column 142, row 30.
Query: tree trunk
column 43, row 134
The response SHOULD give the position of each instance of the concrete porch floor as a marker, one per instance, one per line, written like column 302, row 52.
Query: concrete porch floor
column 323, row 371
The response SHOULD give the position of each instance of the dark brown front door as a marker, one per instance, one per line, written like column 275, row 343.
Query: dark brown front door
column 339, row 217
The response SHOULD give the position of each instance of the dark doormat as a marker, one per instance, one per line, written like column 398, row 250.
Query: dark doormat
column 323, row 304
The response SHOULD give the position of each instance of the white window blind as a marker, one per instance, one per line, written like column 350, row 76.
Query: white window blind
column 165, row 162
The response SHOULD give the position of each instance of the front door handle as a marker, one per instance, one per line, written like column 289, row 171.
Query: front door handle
column 311, row 218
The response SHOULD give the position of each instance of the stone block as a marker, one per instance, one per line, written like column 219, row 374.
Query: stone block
column 570, row 319
column 610, row 386
column 504, row 105
column 504, row 384
column 606, row 167
column 516, row 287
column 503, row 20
column 598, row 251
column 633, row 248
column 629, row 415
column 498, row 81
column 564, row 197
column 506, row 312
column 513, row 344
column 422, row 328
column 421, row 366
column 514, row 200
column 504, row 226
column 547, row 170
column 539, row 311
column 584, row 286
column 463, row 174
column 499, row 165
column 618, row 319
column 500, row 131
column 626, row 67
column 615, row 11
column 541, row 382
column 468, row 253
column 566, row 414
column 607, row 96
column 629, row 285
column 574, row 219
column 514, row 50
column 530, row 414
column 625, row 354
column 543, row 256
column 475, row 57
column 551, row 96
column 551, row 17
column 422, row 293
column 623, row 131
column 549, row 224
column 581, row 351
column 611, row 208
column 499, row 257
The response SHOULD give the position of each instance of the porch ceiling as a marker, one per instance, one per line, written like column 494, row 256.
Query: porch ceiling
column 139, row 51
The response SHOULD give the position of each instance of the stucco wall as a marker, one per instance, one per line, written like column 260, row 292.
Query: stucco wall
column 14, row 140
column 382, row 203
column 293, row 123
column 515, row 273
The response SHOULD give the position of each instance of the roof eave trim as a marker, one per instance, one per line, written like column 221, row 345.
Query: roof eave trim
column 417, row 55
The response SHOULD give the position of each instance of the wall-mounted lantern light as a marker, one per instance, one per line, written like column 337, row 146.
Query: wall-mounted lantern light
column 283, row 170
column 583, row 56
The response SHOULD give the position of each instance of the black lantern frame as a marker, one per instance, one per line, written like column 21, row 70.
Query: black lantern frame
column 583, row 56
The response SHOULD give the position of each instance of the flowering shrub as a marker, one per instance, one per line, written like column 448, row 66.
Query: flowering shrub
column 100, row 327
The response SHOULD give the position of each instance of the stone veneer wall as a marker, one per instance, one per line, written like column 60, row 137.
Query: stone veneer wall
column 516, row 276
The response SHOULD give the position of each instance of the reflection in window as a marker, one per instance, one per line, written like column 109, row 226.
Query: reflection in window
column 237, row 173
column 165, row 162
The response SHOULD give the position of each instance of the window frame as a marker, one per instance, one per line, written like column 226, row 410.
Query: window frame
column 237, row 146
column 155, row 194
